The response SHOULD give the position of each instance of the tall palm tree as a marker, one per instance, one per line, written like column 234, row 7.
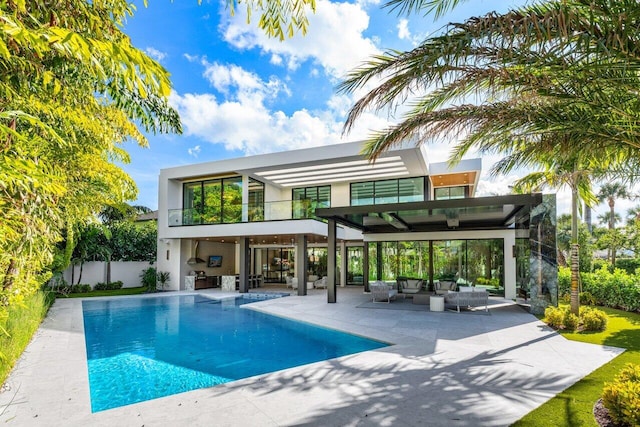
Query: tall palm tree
column 609, row 192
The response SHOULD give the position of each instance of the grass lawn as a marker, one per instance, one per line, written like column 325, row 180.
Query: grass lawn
column 574, row 406
column 113, row 293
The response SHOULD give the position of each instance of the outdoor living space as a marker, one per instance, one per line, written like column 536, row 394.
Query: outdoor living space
column 473, row 368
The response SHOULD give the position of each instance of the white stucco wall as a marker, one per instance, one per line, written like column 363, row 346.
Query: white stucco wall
column 96, row 271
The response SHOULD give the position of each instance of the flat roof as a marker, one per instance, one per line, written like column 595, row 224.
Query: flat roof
column 320, row 165
column 477, row 213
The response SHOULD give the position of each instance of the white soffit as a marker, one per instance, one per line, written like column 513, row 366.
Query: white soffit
column 325, row 173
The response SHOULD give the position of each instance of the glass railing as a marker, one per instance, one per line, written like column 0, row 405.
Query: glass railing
column 233, row 214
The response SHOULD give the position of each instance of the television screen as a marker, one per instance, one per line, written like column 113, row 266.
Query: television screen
column 215, row 261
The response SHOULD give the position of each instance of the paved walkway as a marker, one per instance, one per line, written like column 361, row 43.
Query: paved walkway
column 444, row 369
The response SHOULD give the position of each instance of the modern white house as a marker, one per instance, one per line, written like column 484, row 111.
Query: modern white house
column 329, row 212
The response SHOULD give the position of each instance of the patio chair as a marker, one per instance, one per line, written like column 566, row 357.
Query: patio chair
column 320, row 283
column 382, row 291
column 443, row 287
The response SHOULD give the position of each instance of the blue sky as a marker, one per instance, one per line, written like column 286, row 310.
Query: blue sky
column 240, row 93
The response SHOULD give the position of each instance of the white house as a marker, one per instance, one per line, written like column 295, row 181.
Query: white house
column 328, row 211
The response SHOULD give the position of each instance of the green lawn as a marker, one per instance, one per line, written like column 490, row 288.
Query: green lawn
column 574, row 406
column 116, row 292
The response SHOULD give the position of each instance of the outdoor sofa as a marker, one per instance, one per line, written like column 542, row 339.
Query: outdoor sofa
column 468, row 296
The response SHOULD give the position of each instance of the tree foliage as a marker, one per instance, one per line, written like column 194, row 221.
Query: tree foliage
column 73, row 90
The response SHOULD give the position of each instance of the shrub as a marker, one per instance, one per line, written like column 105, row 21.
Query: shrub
column 593, row 319
column 570, row 320
column 587, row 299
column 80, row 289
column 554, row 316
column 622, row 397
column 564, row 281
column 101, row 286
column 148, row 278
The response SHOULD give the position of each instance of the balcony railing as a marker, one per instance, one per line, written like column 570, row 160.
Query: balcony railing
column 234, row 214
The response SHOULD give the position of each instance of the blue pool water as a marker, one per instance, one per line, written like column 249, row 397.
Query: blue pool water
column 144, row 348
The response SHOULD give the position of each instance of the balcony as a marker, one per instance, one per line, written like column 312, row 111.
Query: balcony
column 239, row 213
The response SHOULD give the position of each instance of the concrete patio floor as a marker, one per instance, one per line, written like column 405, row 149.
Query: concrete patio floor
column 444, row 369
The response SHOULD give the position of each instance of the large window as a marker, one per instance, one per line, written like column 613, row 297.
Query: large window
column 217, row 201
column 449, row 193
column 307, row 199
column 387, row 191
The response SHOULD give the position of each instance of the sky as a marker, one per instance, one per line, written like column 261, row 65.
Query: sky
column 241, row 93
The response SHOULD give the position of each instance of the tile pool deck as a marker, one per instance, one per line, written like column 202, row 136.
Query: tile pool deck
column 444, row 369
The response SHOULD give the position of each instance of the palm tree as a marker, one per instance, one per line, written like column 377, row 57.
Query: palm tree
column 633, row 214
column 541, row 84
column 610, row 192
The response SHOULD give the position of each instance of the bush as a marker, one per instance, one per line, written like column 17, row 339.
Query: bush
column 18, row 322
column 80, row 289
column 564, row 281
column 587, row 299
column 593, row 319
column 554, row 316
column 570, row 321
column 622, row 397
column 148, row 278
column 108, row 286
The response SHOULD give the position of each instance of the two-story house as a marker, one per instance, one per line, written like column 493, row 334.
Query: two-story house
column 327, row 211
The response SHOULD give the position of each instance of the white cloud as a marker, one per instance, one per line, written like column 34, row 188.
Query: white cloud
column 276, row 59
column 155, row 53
column 194, row 151
column 335, row 38
column 403, row 30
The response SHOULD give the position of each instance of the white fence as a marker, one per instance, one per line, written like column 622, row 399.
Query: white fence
column 96, row 271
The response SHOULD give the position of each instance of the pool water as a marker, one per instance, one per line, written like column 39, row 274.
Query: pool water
column 144, row 348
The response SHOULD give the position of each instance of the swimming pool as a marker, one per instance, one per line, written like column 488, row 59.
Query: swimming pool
column 144, row 348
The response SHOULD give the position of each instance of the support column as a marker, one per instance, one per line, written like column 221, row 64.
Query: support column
column 344, row 262
column 543, row 272
column 331, row 261
column 245, row 264
column 378, row 261
column 365, row 266
column 431, row 285
column 509, row 262
column 302, row 263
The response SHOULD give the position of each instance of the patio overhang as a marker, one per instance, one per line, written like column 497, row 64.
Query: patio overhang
column 478, row 213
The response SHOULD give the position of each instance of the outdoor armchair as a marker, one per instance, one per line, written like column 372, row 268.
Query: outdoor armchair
column 380, row 291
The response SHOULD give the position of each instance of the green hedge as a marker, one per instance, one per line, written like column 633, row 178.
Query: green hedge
column 617, row 289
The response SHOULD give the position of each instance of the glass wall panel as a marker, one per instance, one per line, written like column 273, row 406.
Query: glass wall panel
column 361, row 193
column 386, row 191
column 232, row 200
column 192, row 203
column 354, row 265
column 523, row 252
column 256, row 200
column 317, row 261
column 307, row 200
column 456, row 192
column 485, row 264
column 449, row 260
column 212, row 209
column 413, row 259
column 449, row 193
column 411, row 190
column 373, row 264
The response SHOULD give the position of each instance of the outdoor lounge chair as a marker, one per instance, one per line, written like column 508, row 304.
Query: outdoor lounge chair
column 380, row 291
column 320, row 283
column 443, row 287
column 409, row 286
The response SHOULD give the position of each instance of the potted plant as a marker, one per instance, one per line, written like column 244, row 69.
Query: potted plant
column 163, row 279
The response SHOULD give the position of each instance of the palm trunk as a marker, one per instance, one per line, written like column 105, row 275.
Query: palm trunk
column 575, row 260
column 612, row 225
